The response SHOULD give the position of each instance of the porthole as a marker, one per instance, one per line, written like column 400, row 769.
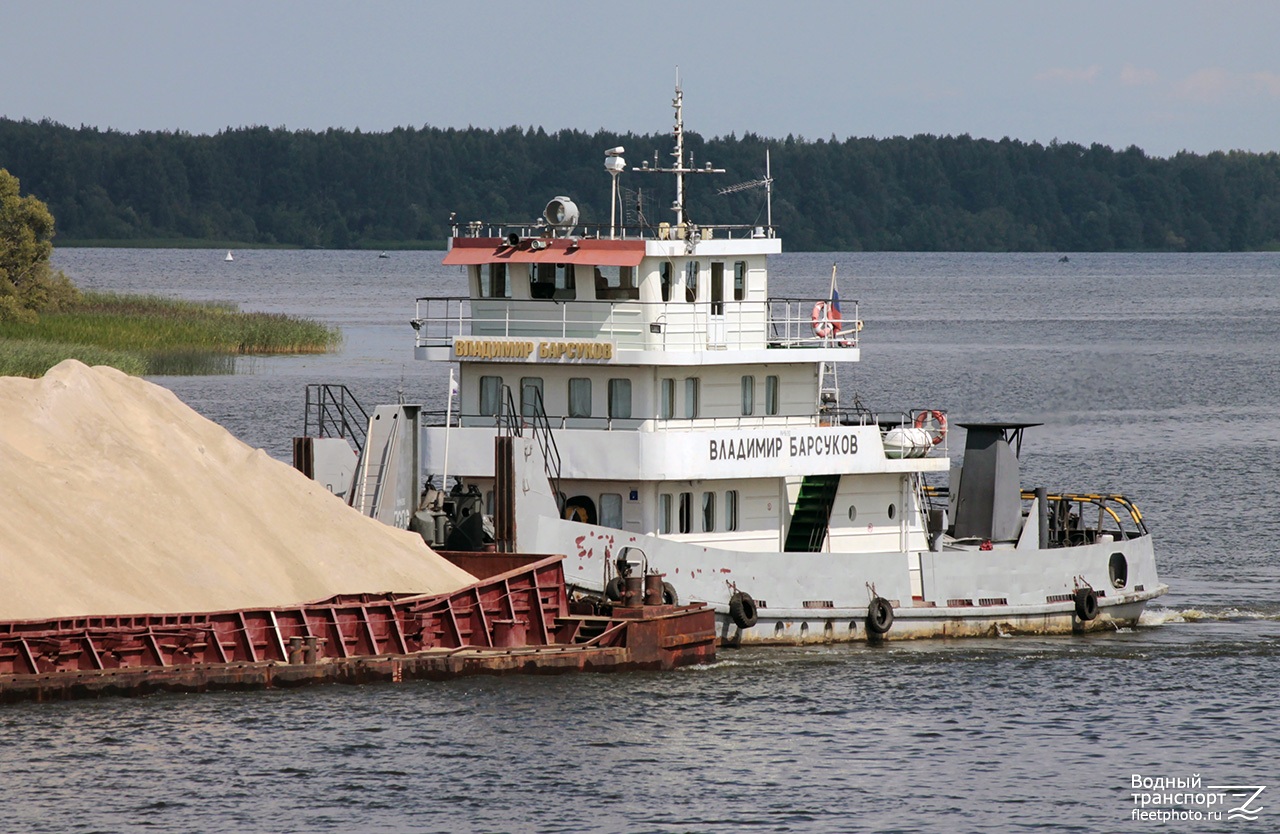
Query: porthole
column 893, row 510
column 853, row 513
column 1118, row 567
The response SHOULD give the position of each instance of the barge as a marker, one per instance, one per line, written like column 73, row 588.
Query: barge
column 518, row 619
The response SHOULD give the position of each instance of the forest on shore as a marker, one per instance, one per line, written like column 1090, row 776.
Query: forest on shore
column 351, row 189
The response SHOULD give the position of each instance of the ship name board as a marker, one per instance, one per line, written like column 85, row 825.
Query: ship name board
column 523, row 350
column 758, row 448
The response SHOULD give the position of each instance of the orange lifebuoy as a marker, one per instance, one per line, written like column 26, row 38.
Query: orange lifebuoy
column 934, row 422
column 826, row 320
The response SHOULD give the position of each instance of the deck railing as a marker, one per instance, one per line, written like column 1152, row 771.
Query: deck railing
column 600, row 231
column 635, row 325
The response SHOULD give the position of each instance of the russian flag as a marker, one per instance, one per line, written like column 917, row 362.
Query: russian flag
column 835, row 293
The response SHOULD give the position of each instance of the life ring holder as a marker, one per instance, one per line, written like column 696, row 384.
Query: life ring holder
column 934, row 422
column 826, row 320
column 743, row 610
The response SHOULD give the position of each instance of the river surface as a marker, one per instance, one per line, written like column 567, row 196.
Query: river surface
column 1155, row 375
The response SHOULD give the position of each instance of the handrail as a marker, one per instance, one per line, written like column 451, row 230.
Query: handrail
column 633, row 324
column 601, row 231
column 513, row 422
column 1066, row 514
column 335, row 410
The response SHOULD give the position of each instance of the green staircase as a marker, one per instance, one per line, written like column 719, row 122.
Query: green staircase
column 812, row 514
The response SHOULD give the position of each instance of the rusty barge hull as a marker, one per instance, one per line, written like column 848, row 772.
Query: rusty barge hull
column 515, row 620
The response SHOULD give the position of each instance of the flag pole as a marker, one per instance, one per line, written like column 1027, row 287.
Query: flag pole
column 448, row 423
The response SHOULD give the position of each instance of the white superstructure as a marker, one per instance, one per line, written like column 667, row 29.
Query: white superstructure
column 661, row 400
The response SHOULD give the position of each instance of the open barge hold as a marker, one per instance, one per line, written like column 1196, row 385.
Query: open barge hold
column 517, row 619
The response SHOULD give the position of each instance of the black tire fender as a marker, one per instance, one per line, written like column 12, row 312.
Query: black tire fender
column 613, row 590
column 742, row 609
column 669, row 595
column 879, row 616
column 1086, row 604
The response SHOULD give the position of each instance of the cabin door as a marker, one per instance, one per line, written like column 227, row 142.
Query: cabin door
column 716, row 323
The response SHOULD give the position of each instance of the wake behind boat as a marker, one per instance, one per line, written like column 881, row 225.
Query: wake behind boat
column 633, row 397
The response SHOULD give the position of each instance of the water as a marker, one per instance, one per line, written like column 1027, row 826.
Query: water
column 1154, row 374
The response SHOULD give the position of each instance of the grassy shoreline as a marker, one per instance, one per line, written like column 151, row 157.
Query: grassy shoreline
column 153, row 336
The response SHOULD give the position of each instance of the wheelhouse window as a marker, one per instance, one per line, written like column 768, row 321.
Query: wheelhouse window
column 748, row 396
column 530, row 395
column 691, row 281
column 664, row 273
column 731, row 509
column 493, row 281
column 616, row 282
column 708, row 512
column 611, row 510
column 739, row 280
column 771, row 395
column 691, row 387
column 686, row 512
column 664, row 513
column 620, row 399
column 579, row 397
column 490, row 395
column 552, row 281
column 668, row 405
column 717, row 288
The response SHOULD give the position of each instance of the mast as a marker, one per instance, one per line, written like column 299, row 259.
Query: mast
column 678, row 155
column 678, row 104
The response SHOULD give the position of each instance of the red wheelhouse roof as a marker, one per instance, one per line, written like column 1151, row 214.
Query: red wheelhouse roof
column 481, row 250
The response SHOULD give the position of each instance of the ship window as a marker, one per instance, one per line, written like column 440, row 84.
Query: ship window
column 490, row 395
column 616, row 282
column 668, row 399
column 542, row 281
column 488, row 502
column 564, row 277
column 493, row 282
column 686, row 512
column 739, row 280
column 611, row 510
column 579, row 397
column 664, row 513
column 708, row 512
column 731, row 509
column 893, row 510
column 717, row 288
column 620, row 398
column 552, row 281
column 691, row 281
column 853, row 513
column 748, row 396
column 530, row 396
column 771, row 395
column 664, row 273
column 691, row 398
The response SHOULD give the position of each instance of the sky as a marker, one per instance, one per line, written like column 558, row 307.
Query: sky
column 1165, row 75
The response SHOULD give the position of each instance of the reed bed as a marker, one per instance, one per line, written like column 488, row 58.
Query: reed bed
column 166, row 336
column 31, row 358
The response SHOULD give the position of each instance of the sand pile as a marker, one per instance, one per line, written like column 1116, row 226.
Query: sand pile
column 117, row 498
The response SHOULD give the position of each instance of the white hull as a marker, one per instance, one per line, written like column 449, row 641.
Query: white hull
column 823, row 597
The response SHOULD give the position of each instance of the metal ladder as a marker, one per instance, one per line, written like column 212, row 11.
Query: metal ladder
column 512, row 422
column 335, row 412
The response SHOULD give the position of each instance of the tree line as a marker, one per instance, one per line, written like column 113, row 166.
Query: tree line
column 347, row 188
